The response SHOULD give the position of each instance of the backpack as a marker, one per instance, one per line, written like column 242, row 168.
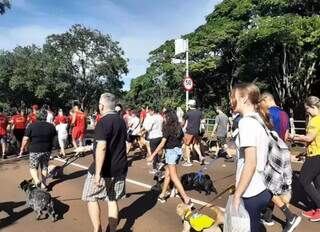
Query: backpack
column 278, row 171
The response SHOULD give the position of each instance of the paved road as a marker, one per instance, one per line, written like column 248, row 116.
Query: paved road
column 140, row 211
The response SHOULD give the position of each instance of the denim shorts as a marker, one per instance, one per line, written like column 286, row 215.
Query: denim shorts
column 173, row 155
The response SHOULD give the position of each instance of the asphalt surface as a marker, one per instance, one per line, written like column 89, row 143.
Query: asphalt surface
column 139, row 212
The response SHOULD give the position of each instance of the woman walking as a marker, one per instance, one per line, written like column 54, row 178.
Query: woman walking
column 252, row 151
column 310, row 171
column 171, row 142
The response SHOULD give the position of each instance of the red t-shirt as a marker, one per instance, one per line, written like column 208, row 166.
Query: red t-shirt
column 60, row 119
column 32, row 118
column 98, row 117
column 19, row 121
column 3, row 125
column 143, row 115
column 81, row 120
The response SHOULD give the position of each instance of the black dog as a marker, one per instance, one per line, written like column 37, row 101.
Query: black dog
column 199, row 182
column 39, row 200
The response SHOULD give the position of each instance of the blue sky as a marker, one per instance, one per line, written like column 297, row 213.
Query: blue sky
column 139, row 25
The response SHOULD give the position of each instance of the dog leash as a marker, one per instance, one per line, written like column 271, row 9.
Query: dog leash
column 231, row 187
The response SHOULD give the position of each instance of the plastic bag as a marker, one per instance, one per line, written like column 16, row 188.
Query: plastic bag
column 236, row 220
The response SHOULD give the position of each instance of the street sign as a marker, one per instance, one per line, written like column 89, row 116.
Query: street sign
column 188, row 84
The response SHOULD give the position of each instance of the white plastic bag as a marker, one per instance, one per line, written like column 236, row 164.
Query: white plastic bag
column 236, row 220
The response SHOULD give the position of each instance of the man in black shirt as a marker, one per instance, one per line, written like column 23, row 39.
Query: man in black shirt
column 192, row 139
column 40, row 135
column 106, row 176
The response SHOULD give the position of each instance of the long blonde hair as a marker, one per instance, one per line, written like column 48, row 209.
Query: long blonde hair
column 313, row 101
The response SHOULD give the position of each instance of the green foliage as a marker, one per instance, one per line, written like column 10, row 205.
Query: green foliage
column 79, row 64
column 273, row 43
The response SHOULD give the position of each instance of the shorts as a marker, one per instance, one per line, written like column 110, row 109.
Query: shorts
column 62, row 142
column 3, row 139
column 78, row 133
column 191, row 139
column 173, row 155
column 112, row 189
column 222, row 140
column 132, row 138
column 154, row 143
column 39, row 159
column 18, row 133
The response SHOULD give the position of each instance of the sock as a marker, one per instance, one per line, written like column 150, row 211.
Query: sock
column 287, row 212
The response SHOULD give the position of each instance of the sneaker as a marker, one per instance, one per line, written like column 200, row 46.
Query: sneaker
column 308, row 214
column 187, row 164
column 196, row 161
column 161, row 199
column 316, row 216
column 292, row 224
column 267, row 222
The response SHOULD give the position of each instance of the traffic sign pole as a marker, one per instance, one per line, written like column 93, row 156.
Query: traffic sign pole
column 187, row 72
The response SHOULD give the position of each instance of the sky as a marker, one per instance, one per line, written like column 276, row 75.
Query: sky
column 139, row 25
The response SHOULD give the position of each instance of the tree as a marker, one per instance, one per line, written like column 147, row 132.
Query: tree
column 4, row 4
column 89, row 61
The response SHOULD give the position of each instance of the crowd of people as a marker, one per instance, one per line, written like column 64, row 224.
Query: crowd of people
column 169, row 136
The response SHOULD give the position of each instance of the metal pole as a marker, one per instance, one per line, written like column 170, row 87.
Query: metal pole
column 187, row 71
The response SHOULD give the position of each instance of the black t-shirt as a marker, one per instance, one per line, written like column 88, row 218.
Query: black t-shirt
column 194, row 119
column 112, row 129
column 41, row 135
column 174, row 139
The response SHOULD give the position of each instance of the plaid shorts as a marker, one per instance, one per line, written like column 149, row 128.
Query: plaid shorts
column 112, row 189
column 39, row 159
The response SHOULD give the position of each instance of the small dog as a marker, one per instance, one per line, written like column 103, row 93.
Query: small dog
column 218, row 217
column 39, row 200
column 198, row 181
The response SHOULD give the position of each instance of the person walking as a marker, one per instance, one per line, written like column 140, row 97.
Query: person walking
column 107, row 174
column 191, row 138
column 310, row 171
column 280, row 123
column 171, row 142
column 18, row 128
column 221, row 128
column 252, row 151
column 32, row 117
column 154, row 131
column 3, row 132
column 39, row 136
column 79, row 123
column 62, row 129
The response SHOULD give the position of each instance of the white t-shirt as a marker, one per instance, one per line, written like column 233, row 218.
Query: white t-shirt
column 252, row 134
column 62, row 130
column 50, row 117
column 134, row 121
column 154, row 126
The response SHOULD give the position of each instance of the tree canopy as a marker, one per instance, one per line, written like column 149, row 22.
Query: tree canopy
column 79, row 64
column 274, row 43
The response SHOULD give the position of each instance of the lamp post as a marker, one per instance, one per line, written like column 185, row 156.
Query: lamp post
column 182, row 46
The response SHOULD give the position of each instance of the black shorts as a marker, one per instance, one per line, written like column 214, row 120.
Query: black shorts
column 18, row 133
column 132, row 138
column 154, row 143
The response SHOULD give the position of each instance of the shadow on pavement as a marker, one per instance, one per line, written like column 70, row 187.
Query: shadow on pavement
column 136, row 156
column 138, row 208
column 64, row 178
column 13, row 216
column 60, row 208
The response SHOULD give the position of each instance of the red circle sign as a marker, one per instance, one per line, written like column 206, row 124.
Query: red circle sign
column 188, row 83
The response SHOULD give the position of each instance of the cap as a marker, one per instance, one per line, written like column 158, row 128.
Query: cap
column 191, row 102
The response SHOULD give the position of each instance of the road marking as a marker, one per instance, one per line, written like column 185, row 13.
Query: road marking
column 134, row 182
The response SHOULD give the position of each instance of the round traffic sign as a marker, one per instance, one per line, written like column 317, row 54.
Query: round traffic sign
column 188, row 83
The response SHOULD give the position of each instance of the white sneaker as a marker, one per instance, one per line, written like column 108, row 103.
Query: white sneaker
column 267, row 223
column 187, row 164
